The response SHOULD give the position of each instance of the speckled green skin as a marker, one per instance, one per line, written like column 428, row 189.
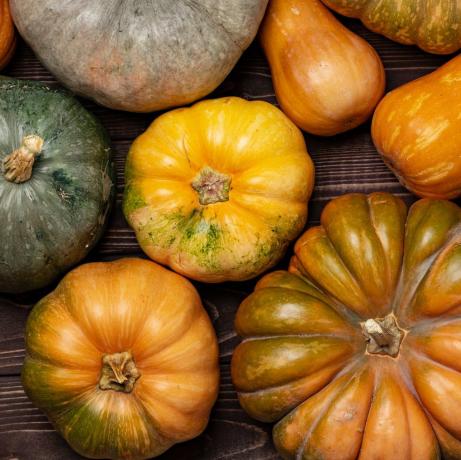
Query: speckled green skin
column 433, row 25
column 52, row 221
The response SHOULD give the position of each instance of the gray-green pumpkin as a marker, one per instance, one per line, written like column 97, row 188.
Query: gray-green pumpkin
column 56, row 183
column 139, row 55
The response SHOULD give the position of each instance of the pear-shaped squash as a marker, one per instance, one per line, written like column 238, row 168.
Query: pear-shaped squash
column 139, row 55
column 433, row 25
column 417, row 130
column 55, row 183
column 326, row 78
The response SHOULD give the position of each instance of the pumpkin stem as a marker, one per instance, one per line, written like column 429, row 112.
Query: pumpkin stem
column 383, row 335
column 17, row 167
column 211, row 186
column 119, row 372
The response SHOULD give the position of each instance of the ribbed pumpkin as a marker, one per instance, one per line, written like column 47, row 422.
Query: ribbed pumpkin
column 123, row 359
column 327, row 79
column 357, row 349
column 218, row 190
column 139, row 55
column 433, row 25
column 7, row 34
column 56, row 183
column 417, row 130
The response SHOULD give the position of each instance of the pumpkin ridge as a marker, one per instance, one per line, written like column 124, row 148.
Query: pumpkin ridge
column 386, row 260
column 342, row 309
column 341, row 370
column 367, row 312
column 325, row 409
column 425, row 357
column 403, row 298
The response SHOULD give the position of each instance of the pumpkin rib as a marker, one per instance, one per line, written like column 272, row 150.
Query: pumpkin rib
column 425, row 357
column 340, row 307
column 324, row 410
column 372, row 218
column 342, row 366
column 346, row 268
column 436, row 368
column 406, row 298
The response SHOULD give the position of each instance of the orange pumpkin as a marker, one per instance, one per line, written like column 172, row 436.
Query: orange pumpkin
column 358, row 349
column 326, row 78
column 123, row 359
column 417, row 130
column 7, row 34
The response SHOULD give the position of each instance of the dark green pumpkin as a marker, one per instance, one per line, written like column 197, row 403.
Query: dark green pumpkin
column 50, row 221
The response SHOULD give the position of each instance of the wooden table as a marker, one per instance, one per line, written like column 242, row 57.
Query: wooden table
column 345, row 163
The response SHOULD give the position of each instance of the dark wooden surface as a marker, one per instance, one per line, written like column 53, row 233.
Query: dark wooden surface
column 346, row 163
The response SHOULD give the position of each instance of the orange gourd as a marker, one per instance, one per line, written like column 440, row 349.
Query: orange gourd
column 123, row 359
column 7, row 34
column 327, row 79
column 356, row 351
column 417, row 130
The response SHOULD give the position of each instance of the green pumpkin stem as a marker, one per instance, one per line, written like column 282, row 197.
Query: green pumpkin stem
column 211, row 186
column 17, row 167
column 383, row 335
column 119, row 372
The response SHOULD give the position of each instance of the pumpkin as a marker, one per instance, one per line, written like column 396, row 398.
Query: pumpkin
column 123, row 359
column 432, row 25
column 416, row 129
column 7, row 34
column 327, row 79
column 56, row 183
column 139, row 55
column 356, row 350
column 218, row 190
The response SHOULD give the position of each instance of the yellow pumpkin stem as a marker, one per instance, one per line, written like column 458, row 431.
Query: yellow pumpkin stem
column 119, row 372
column 211, row 186
column 17, row 167
column 383, row 335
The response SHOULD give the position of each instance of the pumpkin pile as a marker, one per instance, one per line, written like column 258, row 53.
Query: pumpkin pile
column 353, row 352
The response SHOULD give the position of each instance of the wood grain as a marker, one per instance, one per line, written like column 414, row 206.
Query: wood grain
column 345, row 163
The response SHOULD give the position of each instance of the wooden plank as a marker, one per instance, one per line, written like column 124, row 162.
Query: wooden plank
column 345, row 163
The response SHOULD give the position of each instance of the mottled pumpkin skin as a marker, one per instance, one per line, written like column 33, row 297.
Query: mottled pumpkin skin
column 127, row 305
column 417, row 127
column 52, row 221
column 7, row 34
column 271, row 178
column 433, row 25
column 305, row 362
column 327, row 79
column 139, row 55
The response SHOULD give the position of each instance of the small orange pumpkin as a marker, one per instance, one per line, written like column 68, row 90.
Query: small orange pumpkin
column 7, row 34
column 123, row 359
column 327, row 79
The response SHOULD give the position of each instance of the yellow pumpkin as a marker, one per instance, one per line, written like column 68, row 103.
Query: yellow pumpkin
column 417, row 130
column 123, row 359
column 7, row 34
column 218, row 190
